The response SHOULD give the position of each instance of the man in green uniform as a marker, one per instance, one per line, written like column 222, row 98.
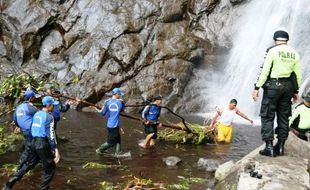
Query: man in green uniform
column 280, row 78
column 300, row 120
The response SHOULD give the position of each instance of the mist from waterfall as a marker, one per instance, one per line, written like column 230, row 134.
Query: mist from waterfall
column 252, row 34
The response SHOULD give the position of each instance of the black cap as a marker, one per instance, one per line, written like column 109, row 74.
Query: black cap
column 157, row 97
column 281, row 35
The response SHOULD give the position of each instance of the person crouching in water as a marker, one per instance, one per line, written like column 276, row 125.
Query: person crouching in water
column 227, row 116
column 151, row 115
column 112, row 108
column 43, row 146
column 300, row 120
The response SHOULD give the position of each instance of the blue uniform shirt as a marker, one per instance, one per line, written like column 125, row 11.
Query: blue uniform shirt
column 43, row 126
column 113, row 108
column 23, row 116
column 59, row 108
column 151, row 112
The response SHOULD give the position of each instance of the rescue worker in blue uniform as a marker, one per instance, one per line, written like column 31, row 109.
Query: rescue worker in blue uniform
column 44, row 146
column 22, row 117
column 61, row 107
column 112, row 108
column 151, row 115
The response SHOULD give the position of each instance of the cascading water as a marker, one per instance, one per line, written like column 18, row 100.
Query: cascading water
column 251, row 35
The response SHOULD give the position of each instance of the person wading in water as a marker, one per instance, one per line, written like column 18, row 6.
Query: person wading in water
column 112, row 108
column 227, row 116
column 151, row 115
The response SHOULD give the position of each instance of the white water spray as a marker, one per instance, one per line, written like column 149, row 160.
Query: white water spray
column 252, row 35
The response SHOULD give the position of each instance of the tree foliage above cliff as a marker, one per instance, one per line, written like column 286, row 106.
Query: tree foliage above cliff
column 12, row 86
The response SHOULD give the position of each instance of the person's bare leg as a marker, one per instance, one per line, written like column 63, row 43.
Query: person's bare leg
column 147, row 140
column 152, row 142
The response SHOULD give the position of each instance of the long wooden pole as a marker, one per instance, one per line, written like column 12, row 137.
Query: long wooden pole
column 122, row 114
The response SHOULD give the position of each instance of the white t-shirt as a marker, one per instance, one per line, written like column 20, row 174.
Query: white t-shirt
column 228, row 116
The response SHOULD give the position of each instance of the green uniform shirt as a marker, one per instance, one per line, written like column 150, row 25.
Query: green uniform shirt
column 301, row 113
column 284, row 60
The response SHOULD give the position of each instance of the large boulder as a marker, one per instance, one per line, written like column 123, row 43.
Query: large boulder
column 290, row 171
column 90, row 47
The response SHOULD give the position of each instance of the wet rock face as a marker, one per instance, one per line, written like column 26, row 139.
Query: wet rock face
column 90, row 47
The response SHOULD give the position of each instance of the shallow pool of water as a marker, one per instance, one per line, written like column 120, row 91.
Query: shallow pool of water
column 86, row 131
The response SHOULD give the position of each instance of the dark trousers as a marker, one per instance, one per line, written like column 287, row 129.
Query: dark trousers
column 114, row 136
column 26, row 151
column 40, row 150
column 276, row 101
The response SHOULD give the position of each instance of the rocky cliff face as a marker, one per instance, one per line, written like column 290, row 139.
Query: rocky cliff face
column 146, row 46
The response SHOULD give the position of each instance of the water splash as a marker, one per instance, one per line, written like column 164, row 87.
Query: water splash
column 253, row 32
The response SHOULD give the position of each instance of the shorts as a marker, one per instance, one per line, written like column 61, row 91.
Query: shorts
column 148, row 129
column 224, row 133
column 114, row 136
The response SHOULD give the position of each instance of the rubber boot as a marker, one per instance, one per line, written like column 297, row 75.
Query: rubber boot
column 117, row 149
column 268, row 150
column 10, row 183
column 278, row 149
column 102, row 148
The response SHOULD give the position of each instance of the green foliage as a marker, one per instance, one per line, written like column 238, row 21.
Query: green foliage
column 6, row 140
column 94, row 165
column 197, row 137
column 13, row 86
column 185, row 183
column 105, row 185
column 9, row 168
column 75, row 80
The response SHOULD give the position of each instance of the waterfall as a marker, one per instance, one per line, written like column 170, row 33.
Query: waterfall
column 251, row 34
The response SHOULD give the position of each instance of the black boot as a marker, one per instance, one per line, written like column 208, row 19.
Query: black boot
column 10, row 183
column 268, row 151
column 279, row 147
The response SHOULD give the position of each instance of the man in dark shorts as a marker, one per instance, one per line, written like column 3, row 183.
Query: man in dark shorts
column 151, row 115
column 112, row 108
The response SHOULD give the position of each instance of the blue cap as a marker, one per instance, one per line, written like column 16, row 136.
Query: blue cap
column 117, row 91
column 48, row 100
column 30, row 93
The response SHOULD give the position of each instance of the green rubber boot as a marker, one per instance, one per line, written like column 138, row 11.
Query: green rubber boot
column 102, row 148
column 117, row 149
